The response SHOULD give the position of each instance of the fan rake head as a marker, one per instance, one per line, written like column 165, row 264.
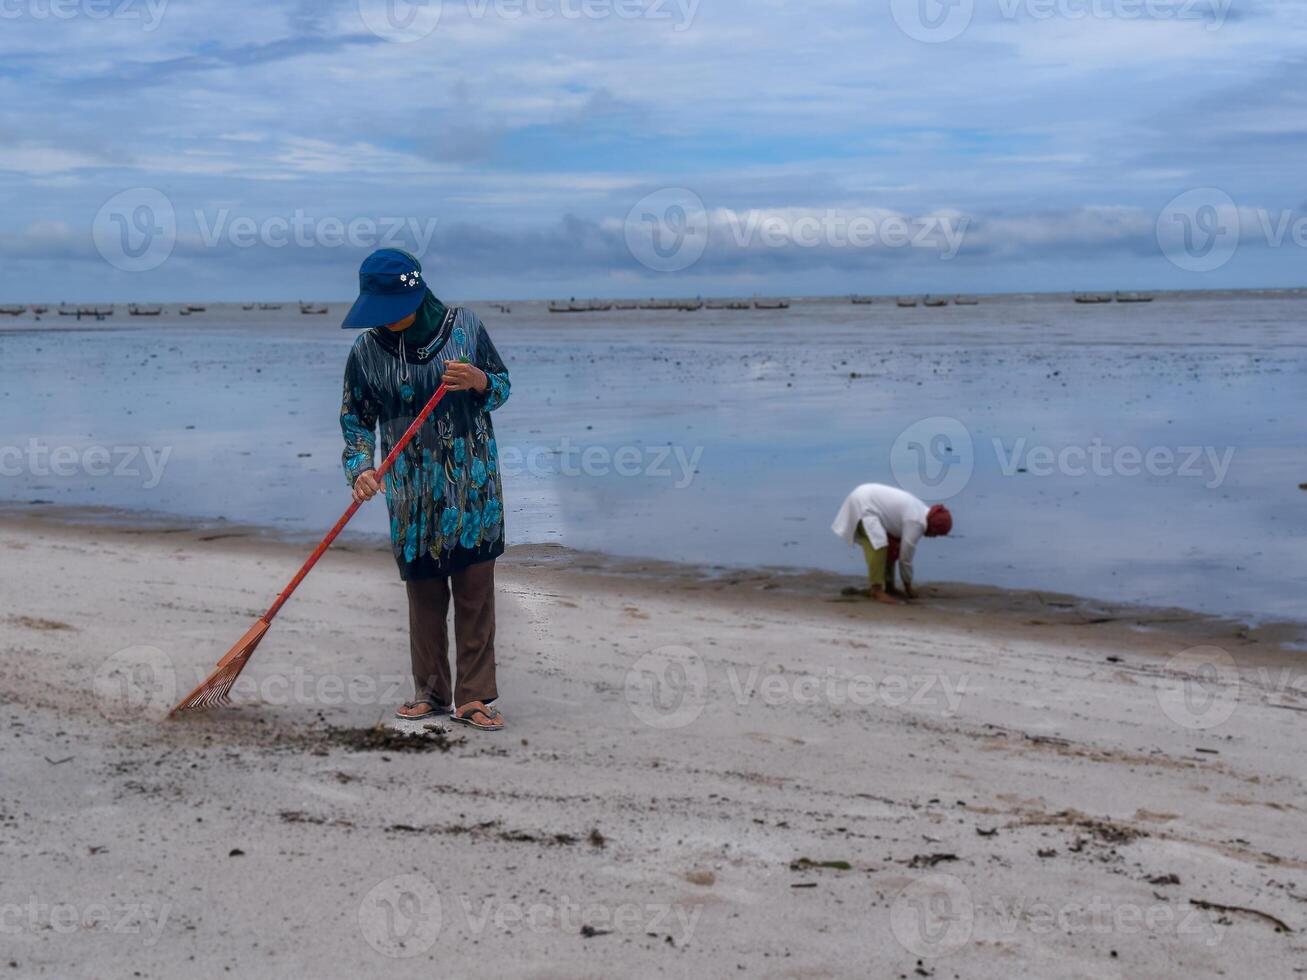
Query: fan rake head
column 216, row 688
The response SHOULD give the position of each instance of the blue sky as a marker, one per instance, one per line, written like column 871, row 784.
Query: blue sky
column 535, row 148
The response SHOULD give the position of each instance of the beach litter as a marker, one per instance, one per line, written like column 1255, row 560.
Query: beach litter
column 930, row 860
column 1278, row 923
column 37, row 623
column 803, row 864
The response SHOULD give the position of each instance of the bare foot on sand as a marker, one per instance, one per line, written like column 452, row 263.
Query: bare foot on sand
column 880, row 595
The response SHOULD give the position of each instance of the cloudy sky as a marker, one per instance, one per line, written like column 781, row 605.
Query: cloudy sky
column 229, row 149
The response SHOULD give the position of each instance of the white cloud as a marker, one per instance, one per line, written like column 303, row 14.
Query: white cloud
column 1049, row 133
column 37, row 159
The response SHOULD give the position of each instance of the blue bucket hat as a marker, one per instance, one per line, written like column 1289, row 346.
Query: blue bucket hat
column 390, row 288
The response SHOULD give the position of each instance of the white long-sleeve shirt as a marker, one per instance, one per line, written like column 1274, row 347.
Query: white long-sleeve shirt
column 883, row 512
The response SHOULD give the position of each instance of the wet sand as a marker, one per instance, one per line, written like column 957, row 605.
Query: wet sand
column 709, row 772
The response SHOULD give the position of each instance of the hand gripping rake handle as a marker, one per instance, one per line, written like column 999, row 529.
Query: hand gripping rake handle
column 352, row 509
column 217, row 686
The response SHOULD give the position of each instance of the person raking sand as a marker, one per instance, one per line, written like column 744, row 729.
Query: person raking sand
column 444, row 492
column 888, row 522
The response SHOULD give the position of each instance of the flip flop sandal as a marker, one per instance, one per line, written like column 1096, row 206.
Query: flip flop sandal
column 410, row 705
column 465, row 718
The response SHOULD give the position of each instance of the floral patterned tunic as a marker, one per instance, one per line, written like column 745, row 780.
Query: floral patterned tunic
column 444, row 492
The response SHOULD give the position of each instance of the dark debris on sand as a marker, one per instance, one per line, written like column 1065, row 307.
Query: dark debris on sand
column 489, row 829
column 380, row 738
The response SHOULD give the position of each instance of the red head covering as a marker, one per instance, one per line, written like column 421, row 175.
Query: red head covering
column 938, row 521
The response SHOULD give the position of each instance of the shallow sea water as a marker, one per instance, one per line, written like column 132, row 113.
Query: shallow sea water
column 1148, row 453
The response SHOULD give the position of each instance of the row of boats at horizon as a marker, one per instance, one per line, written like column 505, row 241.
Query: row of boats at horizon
column 699, row 303
column 909, row 301
column 684, row 306
column 99, row 311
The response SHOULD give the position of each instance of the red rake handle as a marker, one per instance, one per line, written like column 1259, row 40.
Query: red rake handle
column 350, row 511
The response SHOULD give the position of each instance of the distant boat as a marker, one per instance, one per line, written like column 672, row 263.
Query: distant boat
column 247, row 306
column 574, row 307
column 1093, row 297
column 38, row 310
column 195, row 309
column 310, row 309
column 626, row 306
column 906, row 301
column 965, row 301
column 731, row 305
column 269, row 306
column 184, row 312
column 13, row 310
column 1133, row 298
column 137, row 310
column 936, row 301
column 502, row 307
column 861, row 300
column 99, row 312
column 771, row 304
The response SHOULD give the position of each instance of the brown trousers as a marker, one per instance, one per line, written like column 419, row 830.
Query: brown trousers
column 474, row 635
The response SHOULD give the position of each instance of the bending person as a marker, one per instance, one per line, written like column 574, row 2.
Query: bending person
column 888, row 522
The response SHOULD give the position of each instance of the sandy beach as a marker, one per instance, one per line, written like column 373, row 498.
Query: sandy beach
column 857, row 451
column 707, row 773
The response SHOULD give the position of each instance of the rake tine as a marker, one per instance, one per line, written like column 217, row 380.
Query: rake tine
column 216, row 688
